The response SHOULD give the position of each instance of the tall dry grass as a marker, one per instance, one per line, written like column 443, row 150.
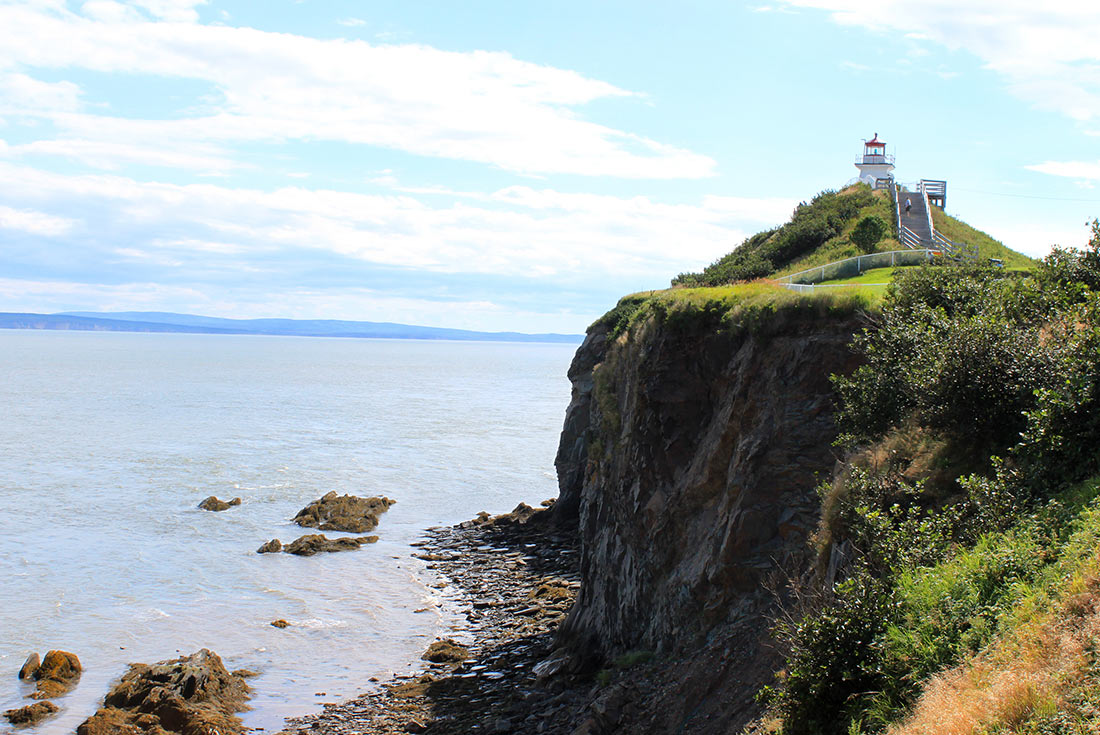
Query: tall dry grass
column 1034, row 673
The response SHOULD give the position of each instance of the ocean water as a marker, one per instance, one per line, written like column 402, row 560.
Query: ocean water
column 108, row 441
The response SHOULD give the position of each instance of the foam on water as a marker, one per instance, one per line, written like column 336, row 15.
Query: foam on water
column 109, row 441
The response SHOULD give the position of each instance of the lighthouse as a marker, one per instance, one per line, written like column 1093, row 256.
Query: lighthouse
column 875, row 167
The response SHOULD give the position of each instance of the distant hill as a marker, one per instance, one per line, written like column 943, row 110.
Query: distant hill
column 151, row 321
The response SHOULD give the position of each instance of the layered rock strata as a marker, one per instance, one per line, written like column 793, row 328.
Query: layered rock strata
column 688, row 461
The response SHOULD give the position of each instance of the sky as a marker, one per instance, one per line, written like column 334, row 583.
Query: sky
column 503, row 165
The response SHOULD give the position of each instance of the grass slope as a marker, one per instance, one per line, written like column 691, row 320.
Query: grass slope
column 840, row 246
column 1041, row 672
column 958, row 231
column 820, row 231
column 750, row 306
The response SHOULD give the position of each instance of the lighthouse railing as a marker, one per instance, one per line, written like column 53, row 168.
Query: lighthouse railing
column 875, row 158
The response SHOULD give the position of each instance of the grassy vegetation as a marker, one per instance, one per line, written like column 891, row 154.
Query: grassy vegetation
column 750, row 306
column 958, row 231
column 872, row 276
column 840, row 246
column 823, row 231
column 819, row 228
column 1041, row 674
column 875, row 281
column 968, row 515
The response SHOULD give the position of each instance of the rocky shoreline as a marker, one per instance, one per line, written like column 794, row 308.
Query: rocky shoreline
column 516, row 576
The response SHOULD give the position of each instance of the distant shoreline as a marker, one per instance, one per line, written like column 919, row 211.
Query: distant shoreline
column 157, row 322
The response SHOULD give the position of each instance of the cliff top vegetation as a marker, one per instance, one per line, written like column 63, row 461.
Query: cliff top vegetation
column 821, row 231
column 751, row 306
column 966, row 522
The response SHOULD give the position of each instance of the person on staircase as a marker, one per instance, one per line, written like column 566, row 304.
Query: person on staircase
column 908, row 204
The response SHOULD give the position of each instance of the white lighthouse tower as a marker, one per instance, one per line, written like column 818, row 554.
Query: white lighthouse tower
column 875, row 167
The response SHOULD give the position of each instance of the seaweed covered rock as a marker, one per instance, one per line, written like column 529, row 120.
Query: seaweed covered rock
column 274, row 546
column 56, row 675
column 446, row 651
column 192, row 694
column 314, row 543
column 348, row 513
column 32, row 714
column 213, row 503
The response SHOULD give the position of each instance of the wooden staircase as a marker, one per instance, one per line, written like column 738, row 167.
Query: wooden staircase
column 916, row 231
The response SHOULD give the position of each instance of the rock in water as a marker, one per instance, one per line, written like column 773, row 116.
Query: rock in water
column 445, row 651
column 31, row 714
column 313, row 543
column 57, row 674
column 30, row 666
column 347, row 513
column 192, row 694
column 273, row 546
column 213, row 503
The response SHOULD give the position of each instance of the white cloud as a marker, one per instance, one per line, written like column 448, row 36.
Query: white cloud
column 111, row 155
column 178, row 11
column 1086, row 170
column 479, row 106
column 513, row 232
column 352, row 22
column 35, row 223
column 1047, row 52
column 24, row 95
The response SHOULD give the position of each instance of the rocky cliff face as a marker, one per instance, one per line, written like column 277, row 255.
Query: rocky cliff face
column 689, row 461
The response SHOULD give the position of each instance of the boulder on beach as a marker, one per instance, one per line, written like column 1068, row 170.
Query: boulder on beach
column 55, row 675
column 193, row 694
column 314, row 543
column 348, row 513
column 520, row 515
column 446, row 651
column 32, row 714
column 213, row 503
column 274, row 546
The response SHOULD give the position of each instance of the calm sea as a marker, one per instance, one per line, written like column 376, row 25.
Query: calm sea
column 108, row 441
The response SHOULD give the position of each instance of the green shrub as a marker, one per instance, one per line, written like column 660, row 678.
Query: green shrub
column 868, row 232
column 1003, row 365
column 812, row 225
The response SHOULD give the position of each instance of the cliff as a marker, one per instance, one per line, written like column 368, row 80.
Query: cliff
column 688, row 461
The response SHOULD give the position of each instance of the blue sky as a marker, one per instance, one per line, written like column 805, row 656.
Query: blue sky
column 502, row 165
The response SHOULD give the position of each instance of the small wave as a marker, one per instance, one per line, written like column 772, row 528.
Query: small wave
column 153, row 613
column 319, row 624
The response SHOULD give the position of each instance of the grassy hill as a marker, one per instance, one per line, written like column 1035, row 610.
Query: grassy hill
column 820, row 231
column 958, row 231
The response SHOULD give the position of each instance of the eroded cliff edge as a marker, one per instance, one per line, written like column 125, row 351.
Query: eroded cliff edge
column 688, row 461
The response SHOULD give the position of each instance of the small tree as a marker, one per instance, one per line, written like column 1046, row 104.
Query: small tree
column 868, row 232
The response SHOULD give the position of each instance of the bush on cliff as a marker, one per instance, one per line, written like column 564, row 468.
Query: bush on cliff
column 868, row 232
column 812, row 225
column 981, row 363
column 753, row 307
